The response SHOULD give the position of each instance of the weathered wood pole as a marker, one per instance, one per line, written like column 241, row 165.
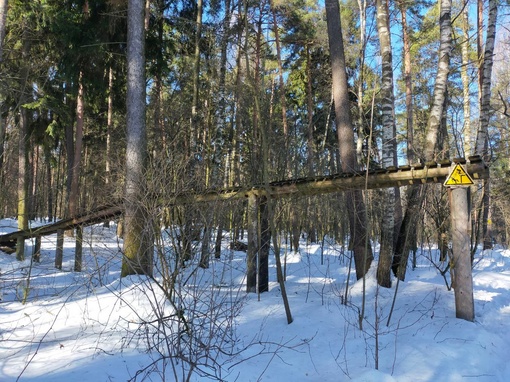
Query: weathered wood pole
column 461, row 257
column 78, row 253
column 59, row 252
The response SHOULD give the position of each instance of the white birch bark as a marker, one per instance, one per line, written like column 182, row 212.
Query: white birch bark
column 443, row 70
column 389, row 147
column 482, row 138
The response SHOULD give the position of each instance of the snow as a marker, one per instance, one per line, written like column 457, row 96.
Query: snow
column 94, row 326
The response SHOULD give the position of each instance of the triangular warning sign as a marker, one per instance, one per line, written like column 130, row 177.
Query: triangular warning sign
column 459, row 177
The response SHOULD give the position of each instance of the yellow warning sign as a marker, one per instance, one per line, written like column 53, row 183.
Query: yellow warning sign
column 458, row 177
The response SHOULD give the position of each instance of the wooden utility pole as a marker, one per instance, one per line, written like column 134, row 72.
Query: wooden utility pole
column 458, row 190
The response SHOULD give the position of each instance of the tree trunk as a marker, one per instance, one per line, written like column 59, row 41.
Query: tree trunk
column 3, row 19
column 355, row 205
column 362, row 5
column 415, row 194
column 49, row 182
column 23, row 170
column 411, row 150
column 482, row 139
column 294, row 220
column 74, row 194
column 253, row 245
column 23, row 148
column 389, row 145
column 259, row 241
column 309, row 109
column 3, row 126
column 138, row 235
column 466, row 82
column 196, row 60
column 443, row 70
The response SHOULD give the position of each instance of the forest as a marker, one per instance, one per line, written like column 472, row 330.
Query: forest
column 203, row 126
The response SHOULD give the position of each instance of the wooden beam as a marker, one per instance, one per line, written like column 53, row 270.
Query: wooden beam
column 337, row 183
column 96, row 216
column 430, row 172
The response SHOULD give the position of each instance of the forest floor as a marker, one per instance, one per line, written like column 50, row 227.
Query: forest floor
column 93, row 326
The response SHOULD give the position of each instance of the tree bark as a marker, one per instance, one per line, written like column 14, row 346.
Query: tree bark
column 253, row 245
column 23, row 170
column 78, row 140
column 138, row 236
column 482, row 139
column 466, row 82
column 354, row 199
column 23, row 148
column 443, row 70
column 196, row 61
column 109, row 131
column 3, row 128
column 362, row 5
column 309, row 112
column 389, row 145
column 411, row 150
column 3, row 20
column 415, row 195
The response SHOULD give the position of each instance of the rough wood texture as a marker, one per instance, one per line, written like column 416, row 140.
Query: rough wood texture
column 96, row 216
column 461, row 255
column 380, row 178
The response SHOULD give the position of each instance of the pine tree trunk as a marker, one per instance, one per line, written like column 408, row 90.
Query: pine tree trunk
column 78, row 139
column 355, row 205
column 23, row 148
column 23, row 170
column 138, row 235
column 49, row 183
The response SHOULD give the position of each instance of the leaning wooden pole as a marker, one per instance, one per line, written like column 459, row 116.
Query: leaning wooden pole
column 431, row 172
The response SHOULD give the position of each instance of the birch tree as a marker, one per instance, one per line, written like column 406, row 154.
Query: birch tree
column 482, row 138
column 415, row 195
column 486, row 69
column 443, row 70
column 389, row 144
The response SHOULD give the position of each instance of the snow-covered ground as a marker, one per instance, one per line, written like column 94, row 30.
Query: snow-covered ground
column 93, row 326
